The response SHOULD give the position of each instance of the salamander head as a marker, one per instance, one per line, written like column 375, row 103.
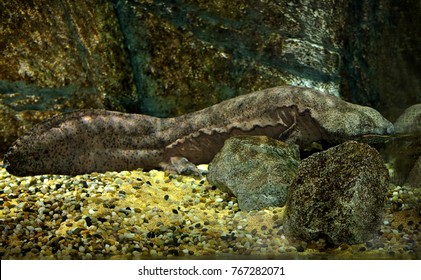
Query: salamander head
column 354, row 122
column 33, row 155
column 18, row 162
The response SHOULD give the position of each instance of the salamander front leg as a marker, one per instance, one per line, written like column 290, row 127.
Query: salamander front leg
column 183, row 166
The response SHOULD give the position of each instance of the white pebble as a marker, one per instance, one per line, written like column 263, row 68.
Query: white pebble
column 109, row 189
column 129, row 235
column 118, row 181
column 39, row 203
column 91, row 211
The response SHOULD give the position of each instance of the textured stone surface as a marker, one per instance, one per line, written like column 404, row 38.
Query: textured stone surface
column 338, row 195
column 414, row 178
column 195, row 53
column 62, row 54
column 58, row 56
column 406, row 149
column 8, row 128
column 382, row 43
column 256, row 169
column 410, row 121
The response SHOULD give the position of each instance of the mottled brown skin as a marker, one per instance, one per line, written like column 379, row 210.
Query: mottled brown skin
column 97, row 140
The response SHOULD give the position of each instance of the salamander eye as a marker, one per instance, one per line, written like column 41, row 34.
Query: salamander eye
column 366, row 125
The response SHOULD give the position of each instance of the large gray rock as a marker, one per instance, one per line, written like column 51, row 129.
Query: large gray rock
column 256, row 169
column 181, row 51
column 338, row 195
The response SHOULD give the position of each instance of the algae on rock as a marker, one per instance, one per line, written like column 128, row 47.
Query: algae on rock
column 256, row 169
column 338, row 195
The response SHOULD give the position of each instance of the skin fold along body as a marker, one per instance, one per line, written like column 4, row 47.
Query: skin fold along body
column 88, row 141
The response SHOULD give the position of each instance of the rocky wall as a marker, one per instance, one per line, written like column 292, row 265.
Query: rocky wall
column 167, row 58
column 59, row 56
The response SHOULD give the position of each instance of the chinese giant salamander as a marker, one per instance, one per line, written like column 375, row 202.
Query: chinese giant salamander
column 87, row 141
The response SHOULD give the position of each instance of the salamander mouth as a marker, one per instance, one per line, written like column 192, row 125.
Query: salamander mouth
column 14, row 161
column 373, row 138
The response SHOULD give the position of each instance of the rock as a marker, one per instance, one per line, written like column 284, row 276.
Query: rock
column 181, row 51
column 256, row 169
column 410, row 121
column 381, row 68
column 338, row 195
column 406, row 149
column 414, row 178
column 62, row 56
column 59, row 56
column 8, row 128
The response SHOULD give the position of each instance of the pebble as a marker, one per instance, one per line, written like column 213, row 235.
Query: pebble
column 100, row 216
column 129, row 235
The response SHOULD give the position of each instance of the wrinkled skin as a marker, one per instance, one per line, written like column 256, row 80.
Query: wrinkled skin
column 97, row 140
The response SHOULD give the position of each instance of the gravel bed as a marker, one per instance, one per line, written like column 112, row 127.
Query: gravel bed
column 142, row 215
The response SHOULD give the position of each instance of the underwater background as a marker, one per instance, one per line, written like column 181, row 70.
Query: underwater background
column 169, row 58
